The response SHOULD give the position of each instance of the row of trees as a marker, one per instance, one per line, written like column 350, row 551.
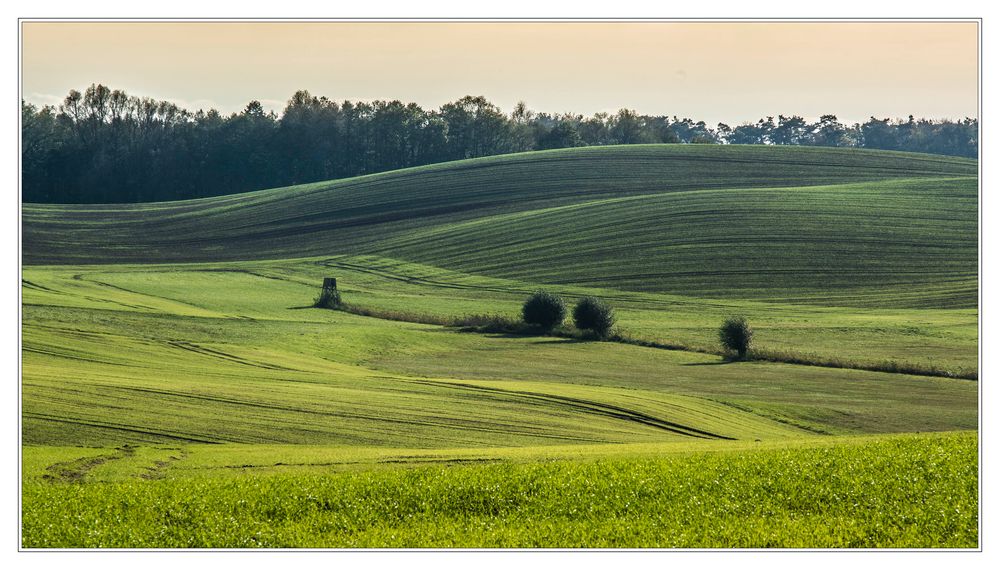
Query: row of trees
column 546, row 311
column 104, row 145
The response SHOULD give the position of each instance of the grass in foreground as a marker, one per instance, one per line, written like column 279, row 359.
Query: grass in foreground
column 903, row 491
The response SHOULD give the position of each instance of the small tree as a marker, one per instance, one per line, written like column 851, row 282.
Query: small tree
column 593, row 314
column 735, row 334
column 544, row 310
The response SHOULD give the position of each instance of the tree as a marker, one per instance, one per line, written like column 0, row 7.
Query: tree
column 660, row 130
column 41, row 138
column 562, row 135
column 688, row 131
column 307, row 139
column 829, row 132
column 594, row 315
column 749, row 133
column 102, row 145
column 878, row 133
column 476, row 127
column 627, row 127
column 596, row 130
column 522, row 128
column 544, row 310
column 790, row 130
column 736, row 335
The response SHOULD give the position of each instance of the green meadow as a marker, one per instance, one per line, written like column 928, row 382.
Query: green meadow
column 851, row 493
column 179, row 389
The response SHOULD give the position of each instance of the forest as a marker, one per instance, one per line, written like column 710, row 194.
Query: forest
column 106, row 146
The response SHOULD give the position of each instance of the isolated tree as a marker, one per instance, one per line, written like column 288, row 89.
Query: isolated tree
column 544, row 310
column 736, row 335
column 594, row 315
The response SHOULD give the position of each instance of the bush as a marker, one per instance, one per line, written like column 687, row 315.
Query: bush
column 735, row 335
column 544, row 310
column 488, row 323
column 328, row 299
column 593, row 314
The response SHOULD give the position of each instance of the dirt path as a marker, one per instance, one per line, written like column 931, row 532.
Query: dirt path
column 76, row 470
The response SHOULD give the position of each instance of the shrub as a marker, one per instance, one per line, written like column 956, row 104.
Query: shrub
column 544, row 310
column 488, row 323
column 593, row 314
column 328, row 299
column 735, row 335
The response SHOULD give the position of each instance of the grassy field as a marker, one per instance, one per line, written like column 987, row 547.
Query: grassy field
column 91, row 352
column 942, row 339
column 176, row 376
column 873, row 244
column 865, row 492
column 359, row 215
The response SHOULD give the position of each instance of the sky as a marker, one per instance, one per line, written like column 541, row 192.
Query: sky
column 713, row 71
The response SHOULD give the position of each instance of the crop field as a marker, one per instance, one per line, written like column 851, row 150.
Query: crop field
column 175, row 374
column 943, row 339
column 863, row 492
column 857, row 243
column 359, row 214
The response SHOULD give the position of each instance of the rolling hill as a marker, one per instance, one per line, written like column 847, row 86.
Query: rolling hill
column 831, row 244
column 742, row 222
column 176, row 375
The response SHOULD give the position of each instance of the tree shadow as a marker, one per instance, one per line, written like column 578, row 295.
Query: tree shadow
column 536, row 338
column 714, row 363
column 559, row 340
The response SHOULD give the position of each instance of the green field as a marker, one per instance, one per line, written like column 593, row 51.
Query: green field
column 861, row 492
column 173, row 365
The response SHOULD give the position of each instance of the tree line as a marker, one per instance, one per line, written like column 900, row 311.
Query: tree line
column 105, row 146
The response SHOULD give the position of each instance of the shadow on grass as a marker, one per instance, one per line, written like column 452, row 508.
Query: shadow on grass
column 533, row 337
column 713, row 363
column 541, row 339
column 501, row 326
column 505, row 334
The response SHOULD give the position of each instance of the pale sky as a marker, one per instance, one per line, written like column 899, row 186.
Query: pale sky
column 729, row 72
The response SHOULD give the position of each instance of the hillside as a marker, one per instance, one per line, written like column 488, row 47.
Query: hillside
column 704, row 220
column 153, row 355
column 173, row 360
column 787, row 243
